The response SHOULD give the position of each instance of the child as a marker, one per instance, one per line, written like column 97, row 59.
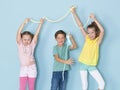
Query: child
column 89, row 56
column 61, row 61
column 26, row 42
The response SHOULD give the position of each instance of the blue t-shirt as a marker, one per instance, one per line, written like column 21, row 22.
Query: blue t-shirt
column 63, row 53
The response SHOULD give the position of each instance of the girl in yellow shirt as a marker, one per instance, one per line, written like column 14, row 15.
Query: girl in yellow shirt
column 90, row 53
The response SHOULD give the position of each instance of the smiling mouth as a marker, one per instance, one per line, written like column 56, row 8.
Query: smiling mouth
column 60, row 42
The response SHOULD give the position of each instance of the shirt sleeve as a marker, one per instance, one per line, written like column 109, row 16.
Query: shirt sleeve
column 55, row 52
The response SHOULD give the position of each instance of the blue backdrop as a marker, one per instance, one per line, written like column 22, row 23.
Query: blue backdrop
column 12, row 14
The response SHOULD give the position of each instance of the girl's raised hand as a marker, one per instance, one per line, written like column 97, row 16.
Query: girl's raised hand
column 26, row 20
column 72, row 9
column 41, row 20
column 92, row 16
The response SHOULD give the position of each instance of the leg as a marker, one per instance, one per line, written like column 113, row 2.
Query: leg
column 97, row 76
column 83, row 74
column 32, row 74
column 23, row 83
column 63, row 83
column 31, row 83
column 55, row 80
column 23, row 78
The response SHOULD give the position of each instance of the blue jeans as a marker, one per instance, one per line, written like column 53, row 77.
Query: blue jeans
column 57, row 82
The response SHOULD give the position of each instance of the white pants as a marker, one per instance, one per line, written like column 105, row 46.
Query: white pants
column 28, row 71
column 96, row 75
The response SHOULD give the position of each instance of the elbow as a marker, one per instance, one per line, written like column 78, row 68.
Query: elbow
column 57, row 59
column 75, row 47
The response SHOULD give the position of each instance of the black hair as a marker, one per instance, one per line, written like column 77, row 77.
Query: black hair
column 94, row 25
column 27, row 33
column 60, row 32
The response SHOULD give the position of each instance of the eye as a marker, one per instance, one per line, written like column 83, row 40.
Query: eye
column 29, row 40
column 88, row 33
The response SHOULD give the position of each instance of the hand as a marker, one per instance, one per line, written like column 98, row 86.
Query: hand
column 26, row 20
column 92, row 16
column 70, row 36
column 69, row 61
column 72, row 9
column 41, row 21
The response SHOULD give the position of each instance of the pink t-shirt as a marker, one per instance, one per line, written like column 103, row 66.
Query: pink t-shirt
column 26, row 53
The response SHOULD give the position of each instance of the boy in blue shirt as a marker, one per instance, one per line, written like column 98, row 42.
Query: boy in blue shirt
column 62, row 61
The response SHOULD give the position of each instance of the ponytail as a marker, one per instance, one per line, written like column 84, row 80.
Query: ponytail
column 94, row 25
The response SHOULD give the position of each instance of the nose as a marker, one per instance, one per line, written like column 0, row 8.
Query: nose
column 26, row 42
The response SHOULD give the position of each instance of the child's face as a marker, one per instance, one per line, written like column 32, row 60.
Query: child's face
column 91, row 33
column 26, row 39
column 60, row 39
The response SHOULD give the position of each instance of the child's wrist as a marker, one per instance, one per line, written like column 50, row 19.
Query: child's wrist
column 94, row 19
column 73, row 12
column 23, row 23
column 66, row 62
column 70, row 37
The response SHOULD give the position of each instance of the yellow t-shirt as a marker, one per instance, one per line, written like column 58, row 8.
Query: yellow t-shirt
column 90, row 52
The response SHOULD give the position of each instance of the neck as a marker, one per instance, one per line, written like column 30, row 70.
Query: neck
column 25, row 45
column 60, row 45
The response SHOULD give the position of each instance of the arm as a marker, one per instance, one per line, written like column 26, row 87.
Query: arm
column 73, row 46
column 38, row 31
column 100, row 27
column 69, row 61
column 18, row 37
column 79, row 23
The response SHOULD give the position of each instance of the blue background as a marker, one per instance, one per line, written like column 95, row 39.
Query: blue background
column 12, row 14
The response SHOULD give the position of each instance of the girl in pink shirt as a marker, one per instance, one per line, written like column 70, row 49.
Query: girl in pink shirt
column 26, row 42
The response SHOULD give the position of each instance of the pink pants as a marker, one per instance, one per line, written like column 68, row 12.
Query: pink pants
column 23, row 83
